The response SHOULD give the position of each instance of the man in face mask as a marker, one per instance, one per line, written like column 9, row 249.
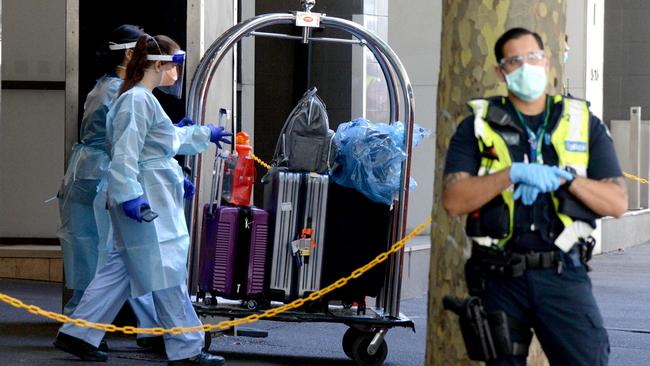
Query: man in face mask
column 533, row 172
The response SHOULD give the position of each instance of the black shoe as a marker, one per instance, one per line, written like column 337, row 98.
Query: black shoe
column 103, row 346
column 155, row 344
column 79, row 348
column 202, row 358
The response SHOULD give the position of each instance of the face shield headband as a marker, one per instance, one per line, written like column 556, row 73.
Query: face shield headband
column 173, row 77
column 120, row 46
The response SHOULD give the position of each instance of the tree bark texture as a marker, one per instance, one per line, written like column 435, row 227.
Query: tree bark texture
column 470, row 29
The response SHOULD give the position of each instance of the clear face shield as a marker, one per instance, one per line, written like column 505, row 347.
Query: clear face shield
column 173, row 72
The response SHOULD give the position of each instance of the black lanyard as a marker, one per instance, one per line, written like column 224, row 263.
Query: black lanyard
column 536, row 141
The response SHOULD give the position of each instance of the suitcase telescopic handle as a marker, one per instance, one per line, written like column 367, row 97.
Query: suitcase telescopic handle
column 217, row 167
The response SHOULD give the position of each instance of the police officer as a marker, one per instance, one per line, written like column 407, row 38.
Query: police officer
column 533, row 171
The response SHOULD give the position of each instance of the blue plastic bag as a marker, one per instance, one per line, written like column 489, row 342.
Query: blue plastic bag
column 370, row 157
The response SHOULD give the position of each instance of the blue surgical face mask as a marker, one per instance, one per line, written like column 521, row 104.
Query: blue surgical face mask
column 528, row 82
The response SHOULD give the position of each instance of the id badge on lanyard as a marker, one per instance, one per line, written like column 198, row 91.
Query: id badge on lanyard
column 536, row 141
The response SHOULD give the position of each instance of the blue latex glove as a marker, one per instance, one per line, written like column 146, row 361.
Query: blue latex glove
column 132, row 208
column 188, row 188
column 528, row 194
column 544, row 177
column 184, row 122
column 218, row 135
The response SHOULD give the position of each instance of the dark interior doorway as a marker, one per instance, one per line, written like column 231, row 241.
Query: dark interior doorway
column 98, row 18
column 96, row 21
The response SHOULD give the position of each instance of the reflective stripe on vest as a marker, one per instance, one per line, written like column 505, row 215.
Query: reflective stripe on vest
column 570, row 138
column 488, row 139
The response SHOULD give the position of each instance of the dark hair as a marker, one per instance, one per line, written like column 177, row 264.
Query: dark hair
column 513, row 33
column 125, row 33
column 147, row 45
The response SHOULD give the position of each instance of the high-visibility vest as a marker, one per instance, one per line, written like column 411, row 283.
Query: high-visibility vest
column 570, row 138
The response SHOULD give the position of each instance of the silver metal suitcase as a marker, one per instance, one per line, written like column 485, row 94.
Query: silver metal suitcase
column 313, row 220
column 297, row 203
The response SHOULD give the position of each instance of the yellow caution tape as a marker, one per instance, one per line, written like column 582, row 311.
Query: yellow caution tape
column 634, row 177
column 259, row 161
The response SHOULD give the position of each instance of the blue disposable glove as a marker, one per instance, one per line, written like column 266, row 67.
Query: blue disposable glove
column 527, row 193
column 218, row 135
column 545, row 177
column 188, row 188
column 132, row 208
column 184, row 122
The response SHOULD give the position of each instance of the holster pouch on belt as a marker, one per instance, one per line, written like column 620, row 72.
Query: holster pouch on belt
column 586, row 248
column 474, row 327
column 569, row 205
column 486, row 335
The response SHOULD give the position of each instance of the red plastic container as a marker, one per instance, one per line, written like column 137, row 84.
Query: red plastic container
column 243, row 176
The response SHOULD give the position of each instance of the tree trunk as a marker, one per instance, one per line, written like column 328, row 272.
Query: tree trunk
column 470, row 29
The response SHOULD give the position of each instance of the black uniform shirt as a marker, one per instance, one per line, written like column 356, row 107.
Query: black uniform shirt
column 463, row 156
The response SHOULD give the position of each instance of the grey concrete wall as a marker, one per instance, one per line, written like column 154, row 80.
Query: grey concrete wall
column 32, row 127
column 627, row 231
column 627, row 51
column 414, row 29
column 574, row 70
column 216, row 18
column 415, row 275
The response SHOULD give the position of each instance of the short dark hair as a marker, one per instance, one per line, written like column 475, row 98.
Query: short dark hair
column 513, row 33
column 107, row 60
column 125, row 33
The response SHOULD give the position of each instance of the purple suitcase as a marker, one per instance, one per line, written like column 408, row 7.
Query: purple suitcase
column 233, row 251
column 233, row 248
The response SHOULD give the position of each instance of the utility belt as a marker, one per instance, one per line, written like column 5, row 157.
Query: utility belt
column 487, row 335
column 510, row 264
column 487, row 262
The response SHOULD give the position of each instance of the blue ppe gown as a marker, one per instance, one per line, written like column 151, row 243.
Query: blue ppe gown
column 85, row 230
column 147, row 257
column 88, row 164
column 143, row 144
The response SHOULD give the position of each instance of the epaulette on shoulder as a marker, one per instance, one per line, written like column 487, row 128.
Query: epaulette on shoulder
column 558, row 98
column 497, row 112
column 494, row 100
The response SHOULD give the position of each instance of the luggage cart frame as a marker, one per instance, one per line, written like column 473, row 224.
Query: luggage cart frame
column 364, row 341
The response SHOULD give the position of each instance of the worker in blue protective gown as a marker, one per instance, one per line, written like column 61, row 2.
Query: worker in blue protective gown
column 84, row 231
column 150, row 252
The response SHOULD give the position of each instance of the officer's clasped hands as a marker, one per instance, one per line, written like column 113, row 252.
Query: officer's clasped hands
column 218, row 135
column 533, row 179
column 528, row 194
column 545, row 177
column 132, row 208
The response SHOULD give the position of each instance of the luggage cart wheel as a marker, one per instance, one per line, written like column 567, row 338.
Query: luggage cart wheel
column 360, row 353
column 209, row 300
column 252, row 304
column 348, row 339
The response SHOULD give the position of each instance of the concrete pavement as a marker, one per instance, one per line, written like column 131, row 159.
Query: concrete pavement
column 621, row 282
column 26, row 339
